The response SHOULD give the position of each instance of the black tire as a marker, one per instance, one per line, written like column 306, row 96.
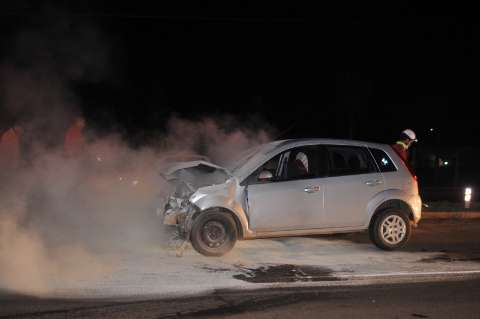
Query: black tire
column 390, row 229
column 213, row 233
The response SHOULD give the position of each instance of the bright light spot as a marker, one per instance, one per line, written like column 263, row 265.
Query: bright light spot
column 445, row 163
column 384, row 161
column 468, row 197
column 432, row 129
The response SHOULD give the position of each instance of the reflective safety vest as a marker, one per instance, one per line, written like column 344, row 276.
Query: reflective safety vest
column 401, row 149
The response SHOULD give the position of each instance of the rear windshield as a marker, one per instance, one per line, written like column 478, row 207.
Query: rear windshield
column 384, row 161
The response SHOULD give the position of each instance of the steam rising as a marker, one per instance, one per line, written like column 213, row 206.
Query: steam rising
column 65, row 218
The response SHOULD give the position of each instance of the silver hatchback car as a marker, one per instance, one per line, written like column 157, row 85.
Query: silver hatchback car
column 295, row 188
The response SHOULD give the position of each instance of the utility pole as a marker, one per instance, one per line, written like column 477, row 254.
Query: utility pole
column 351, row 122
column 437, row 158
column 457, row 168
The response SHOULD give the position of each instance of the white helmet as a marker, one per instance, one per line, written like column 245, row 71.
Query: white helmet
column 302, row 158
column 410, row 134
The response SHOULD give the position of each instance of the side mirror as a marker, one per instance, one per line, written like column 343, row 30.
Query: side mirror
column 265, row 176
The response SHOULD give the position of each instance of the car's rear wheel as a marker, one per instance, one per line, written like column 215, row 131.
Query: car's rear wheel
column 213, row 233
column 390, row 229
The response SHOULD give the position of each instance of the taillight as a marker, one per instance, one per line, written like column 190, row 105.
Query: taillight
column 410, row 169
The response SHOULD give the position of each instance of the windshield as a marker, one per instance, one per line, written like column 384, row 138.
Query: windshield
column 236, row 166
column 242, row 158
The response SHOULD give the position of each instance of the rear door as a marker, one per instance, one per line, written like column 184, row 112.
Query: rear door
column 353, row 180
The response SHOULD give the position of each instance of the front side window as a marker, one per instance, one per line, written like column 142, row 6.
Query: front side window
column 349, row 160
column 300, row 164
column 297, row 163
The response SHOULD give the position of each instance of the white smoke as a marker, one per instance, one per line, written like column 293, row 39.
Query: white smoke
column 66, row 218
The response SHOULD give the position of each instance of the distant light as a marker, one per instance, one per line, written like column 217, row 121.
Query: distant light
column 468, row 197
column 384, row 161
column 432, row 129
column 445, row 163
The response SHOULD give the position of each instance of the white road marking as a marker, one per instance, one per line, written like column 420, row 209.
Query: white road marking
column 410, row 274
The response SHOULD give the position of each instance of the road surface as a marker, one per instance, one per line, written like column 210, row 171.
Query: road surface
column 334, row 275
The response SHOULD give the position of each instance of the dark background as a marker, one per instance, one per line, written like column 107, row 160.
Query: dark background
column 345, row 71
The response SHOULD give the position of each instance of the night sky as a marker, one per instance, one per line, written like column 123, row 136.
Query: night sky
column 348, row 71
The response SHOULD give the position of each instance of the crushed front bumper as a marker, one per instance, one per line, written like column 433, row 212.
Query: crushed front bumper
column 177, row 212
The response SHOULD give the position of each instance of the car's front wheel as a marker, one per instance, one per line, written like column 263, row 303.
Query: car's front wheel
column 213, row 233
column 390, row 230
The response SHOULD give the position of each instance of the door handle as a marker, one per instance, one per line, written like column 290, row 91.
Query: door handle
column 373, row 182
column 311, row 189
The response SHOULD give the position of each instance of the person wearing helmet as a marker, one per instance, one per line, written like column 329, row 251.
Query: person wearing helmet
column 407, row 137
column 301, row 161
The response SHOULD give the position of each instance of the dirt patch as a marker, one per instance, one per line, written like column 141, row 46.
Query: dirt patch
column 285, row 273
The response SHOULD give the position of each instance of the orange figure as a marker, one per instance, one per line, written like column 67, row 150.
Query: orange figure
column 74, row 138
column 10, row 152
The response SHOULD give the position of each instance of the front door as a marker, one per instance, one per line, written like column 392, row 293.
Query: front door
column 293, row 198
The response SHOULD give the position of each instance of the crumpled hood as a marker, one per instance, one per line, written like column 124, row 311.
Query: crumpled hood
column 196, row 174
column 186, row 178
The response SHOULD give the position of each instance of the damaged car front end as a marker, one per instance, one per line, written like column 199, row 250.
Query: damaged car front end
column 188, row 181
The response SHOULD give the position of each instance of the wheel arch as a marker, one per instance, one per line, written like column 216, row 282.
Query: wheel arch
column 393, row 204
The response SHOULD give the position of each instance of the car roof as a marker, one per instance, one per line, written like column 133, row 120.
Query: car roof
column 267, row 149
column 314, row 141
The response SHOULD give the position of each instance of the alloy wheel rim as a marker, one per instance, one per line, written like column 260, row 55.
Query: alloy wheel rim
column 393, row 229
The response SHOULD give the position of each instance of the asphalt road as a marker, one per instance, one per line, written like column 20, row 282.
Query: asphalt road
column 444, row 244
column 451, row 299
column 419, row 300
column 452, row 239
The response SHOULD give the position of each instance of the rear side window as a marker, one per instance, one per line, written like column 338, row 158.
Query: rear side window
column 349, row 160
column 384, row 161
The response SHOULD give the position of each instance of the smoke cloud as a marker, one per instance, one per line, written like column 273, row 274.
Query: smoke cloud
column 68, row 217
column 65, row 218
